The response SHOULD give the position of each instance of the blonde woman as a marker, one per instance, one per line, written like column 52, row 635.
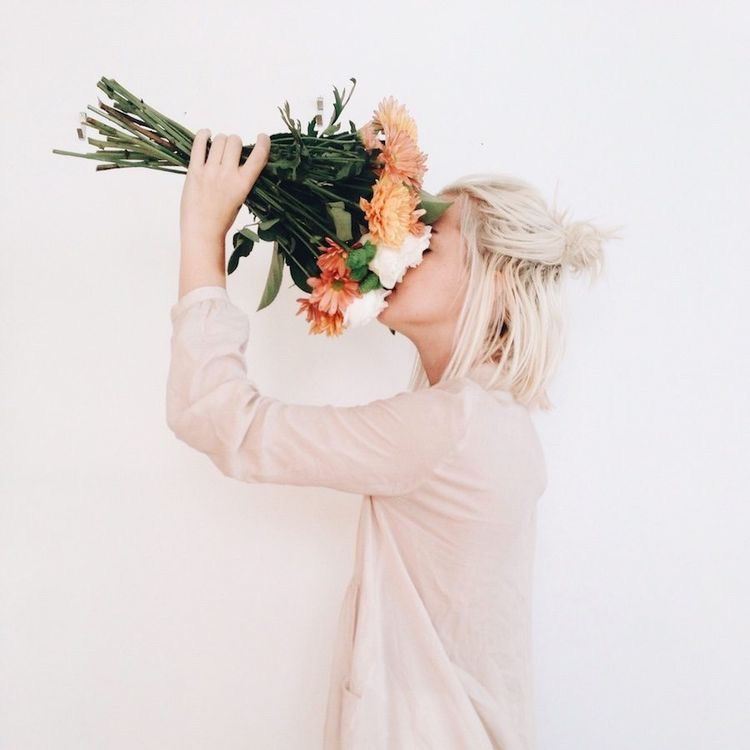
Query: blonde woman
column 433, row 648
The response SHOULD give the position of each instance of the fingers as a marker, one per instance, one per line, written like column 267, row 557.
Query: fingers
column 217, row 150
column 258, row 158
column 198, row 149
column 226, row 152
column 232, row 151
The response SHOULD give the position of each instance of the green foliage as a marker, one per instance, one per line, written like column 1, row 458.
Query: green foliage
column 273, row 282
column 342, row 220
column 370, row 282
column 242, row 245
column 433, row 206
column 359, row 257
column 309, row 189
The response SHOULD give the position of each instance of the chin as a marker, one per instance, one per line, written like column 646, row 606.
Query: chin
column 384, row 317
column 386, row 309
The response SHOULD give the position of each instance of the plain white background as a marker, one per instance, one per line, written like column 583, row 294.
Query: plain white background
column 148, row 602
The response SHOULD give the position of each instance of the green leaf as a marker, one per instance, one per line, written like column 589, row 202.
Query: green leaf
column 342, row 220
column 359, row 272
column 359, row 257
column 247, row 232
column 434, row 207
column 268, row 223
column 371, row 281
column 273, row 282
column 242, row 247
column 300, row 278
column 371, row 248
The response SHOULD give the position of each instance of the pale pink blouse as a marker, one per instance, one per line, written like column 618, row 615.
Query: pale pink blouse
column 433, row 648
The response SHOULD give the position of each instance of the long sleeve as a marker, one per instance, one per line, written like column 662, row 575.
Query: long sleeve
column 385, row 447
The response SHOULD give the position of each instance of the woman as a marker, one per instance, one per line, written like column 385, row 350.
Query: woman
column 434, row 637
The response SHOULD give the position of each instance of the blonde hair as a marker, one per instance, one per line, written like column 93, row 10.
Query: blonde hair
column 515, row 250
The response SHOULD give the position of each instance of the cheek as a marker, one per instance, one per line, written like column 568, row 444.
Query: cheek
column 445, row 283
column 438, row 278
column 426, row 290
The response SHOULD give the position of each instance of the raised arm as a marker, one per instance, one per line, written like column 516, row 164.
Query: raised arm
column 385, row 447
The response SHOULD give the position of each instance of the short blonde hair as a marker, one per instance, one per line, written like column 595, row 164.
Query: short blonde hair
column 515, row 248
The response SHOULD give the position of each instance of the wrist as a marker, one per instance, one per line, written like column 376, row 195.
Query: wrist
column 190, row 278
column 202, row 242
column 201, row 261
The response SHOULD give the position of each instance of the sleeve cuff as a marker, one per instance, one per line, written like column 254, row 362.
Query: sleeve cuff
column 196, row 295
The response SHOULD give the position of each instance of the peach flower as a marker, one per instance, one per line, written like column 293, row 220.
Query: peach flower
column 392, row 117
column 332, row 293
column 333, row 259
column 392, row 212
column 369, row 136
column 401, row 159
column 321, row 322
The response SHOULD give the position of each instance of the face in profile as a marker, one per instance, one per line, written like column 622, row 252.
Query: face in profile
column 431, row 293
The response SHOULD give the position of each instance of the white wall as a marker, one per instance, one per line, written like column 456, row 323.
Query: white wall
column 148, row 602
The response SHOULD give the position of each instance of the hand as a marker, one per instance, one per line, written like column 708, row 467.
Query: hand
column 216, row 187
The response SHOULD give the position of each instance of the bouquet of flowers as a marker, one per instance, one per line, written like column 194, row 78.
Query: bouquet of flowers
column 345, row 212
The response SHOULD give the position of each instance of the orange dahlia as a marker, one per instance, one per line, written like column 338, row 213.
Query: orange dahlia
column 392, row 212
column 391, row 117
column 369, row 136
column 402, row 159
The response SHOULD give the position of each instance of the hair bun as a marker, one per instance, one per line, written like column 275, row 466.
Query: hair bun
column 579, row 248
column 583, row 246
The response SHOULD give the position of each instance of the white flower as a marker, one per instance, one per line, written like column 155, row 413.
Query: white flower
column 362, row 310
column 390, row 263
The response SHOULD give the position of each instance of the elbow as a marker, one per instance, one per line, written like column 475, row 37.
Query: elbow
column 173, row 417
column 231, row 465
column 216, row 425
column 173, row 410
column 201, row 435
column 188, row 424
column 170, row 418
column 178, row 430
column 188, row 428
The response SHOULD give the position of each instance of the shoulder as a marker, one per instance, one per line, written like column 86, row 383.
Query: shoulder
column 440, row 412
column 501, row 436
column 450, row 399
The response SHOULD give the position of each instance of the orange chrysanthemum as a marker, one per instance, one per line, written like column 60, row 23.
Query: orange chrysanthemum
column 369, row 136
column 392, row 117
column 333, row 259
column 401, row 159
column 333, row 293
column 321, row 322
column 392, row 212
column 331, row 325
